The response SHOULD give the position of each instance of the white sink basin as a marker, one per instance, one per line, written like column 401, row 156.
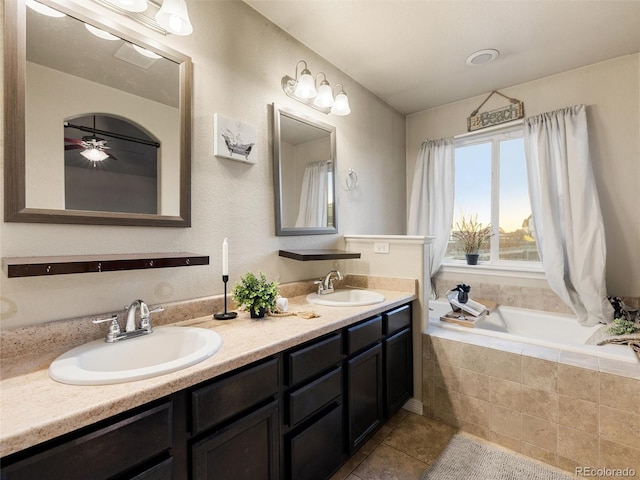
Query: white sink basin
column 346, row 298
column 166, row 350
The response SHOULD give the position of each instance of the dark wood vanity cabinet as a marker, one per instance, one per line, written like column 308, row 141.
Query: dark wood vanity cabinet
column 398, row 358
column 235, row 425
column 296, row 415
column 136, row 445
column 364, row 381
column 379, row 372
column 243, row 450
column 312, row 405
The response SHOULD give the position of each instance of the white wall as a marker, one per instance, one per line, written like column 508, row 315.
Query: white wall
column 239, row 59
column 611, row 92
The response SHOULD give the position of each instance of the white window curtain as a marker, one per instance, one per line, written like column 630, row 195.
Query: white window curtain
column 566, row 211
column 314, row 196
column 432, row 195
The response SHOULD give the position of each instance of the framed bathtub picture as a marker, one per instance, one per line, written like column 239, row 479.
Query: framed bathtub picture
column 233, row 139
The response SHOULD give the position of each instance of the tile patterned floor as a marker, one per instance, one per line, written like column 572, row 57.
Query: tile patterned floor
column 402, row 449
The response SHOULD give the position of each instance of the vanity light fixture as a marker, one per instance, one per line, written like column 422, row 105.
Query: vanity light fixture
column 43, row 9
column 341, row 103
column 130, row 5
column 325, row 94
column 174, row 17
column 305, row 86
column 305, row 90
column 168, row 16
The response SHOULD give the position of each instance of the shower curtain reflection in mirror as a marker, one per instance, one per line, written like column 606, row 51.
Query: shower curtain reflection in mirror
column 316, row 202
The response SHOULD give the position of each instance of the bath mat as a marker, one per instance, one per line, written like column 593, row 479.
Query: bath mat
column 465, row 458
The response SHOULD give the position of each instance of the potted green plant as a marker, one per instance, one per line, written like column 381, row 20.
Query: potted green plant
column 255, row 294
column 471, row 235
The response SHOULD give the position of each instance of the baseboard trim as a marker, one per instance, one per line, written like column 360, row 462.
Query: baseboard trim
column 413, row 406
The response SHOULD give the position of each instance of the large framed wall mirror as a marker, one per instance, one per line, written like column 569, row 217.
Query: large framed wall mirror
column 97, row 121
column 304, row 154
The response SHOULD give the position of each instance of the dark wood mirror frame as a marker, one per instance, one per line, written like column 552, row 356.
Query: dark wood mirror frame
column 15, row 209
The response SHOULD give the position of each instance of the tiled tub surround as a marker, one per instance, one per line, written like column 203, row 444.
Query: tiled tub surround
column 566, row 409
column 34, row 408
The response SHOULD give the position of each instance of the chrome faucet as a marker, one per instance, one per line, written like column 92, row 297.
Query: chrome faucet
column 131, row 316
column 115, row 334
column 326, row 286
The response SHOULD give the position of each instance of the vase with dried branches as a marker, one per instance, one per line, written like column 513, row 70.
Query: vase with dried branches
column 471, row 235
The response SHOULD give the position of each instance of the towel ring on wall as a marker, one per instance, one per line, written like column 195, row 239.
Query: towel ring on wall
column 351, row 180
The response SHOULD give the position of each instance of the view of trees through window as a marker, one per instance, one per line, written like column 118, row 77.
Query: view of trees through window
column 491, row 183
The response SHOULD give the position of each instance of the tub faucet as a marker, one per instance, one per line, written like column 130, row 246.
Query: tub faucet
column 115, row 334
column 326, row 286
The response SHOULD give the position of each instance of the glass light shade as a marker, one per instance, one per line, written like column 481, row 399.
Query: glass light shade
column 100, row 33
column 325, row 96
column 145, row 52
column 305, row 87
column 94, row 154
column 174, row 17
column 341, row 105
column 131, row 5
column 44, row 10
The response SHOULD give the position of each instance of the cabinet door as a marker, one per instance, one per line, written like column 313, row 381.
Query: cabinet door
column 248, row 449
column 316, row 452
column 398, row 370
column 364, row 396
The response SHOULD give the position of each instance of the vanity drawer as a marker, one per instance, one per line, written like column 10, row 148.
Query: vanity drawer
column 312, row 397
column 225, row 398
column 364, row 334
column 313, row 359
column 397, row 319
column 102, row 453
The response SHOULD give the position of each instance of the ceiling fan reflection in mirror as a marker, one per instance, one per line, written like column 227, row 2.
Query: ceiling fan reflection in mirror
column 93, row 146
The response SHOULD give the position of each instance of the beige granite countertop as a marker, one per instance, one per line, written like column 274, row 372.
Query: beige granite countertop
column 34, row 408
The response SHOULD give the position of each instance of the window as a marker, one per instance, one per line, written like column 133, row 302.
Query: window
column 491, row 183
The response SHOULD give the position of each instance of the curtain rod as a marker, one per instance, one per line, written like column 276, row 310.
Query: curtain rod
column 490, row 129
column 119, row 136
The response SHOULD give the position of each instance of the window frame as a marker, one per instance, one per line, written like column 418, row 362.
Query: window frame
column 494, row 265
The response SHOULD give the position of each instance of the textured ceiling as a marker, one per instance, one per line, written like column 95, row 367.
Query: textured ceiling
column 412, row 53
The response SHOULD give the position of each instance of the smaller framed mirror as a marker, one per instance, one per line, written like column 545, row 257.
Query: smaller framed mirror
column 304, row 156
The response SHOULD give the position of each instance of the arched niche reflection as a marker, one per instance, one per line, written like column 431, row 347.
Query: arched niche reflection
column 110, row 165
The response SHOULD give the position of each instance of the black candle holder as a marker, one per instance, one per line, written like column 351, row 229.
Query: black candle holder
column 225, row 315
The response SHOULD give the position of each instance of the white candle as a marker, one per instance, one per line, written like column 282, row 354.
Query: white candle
column 225, row 257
